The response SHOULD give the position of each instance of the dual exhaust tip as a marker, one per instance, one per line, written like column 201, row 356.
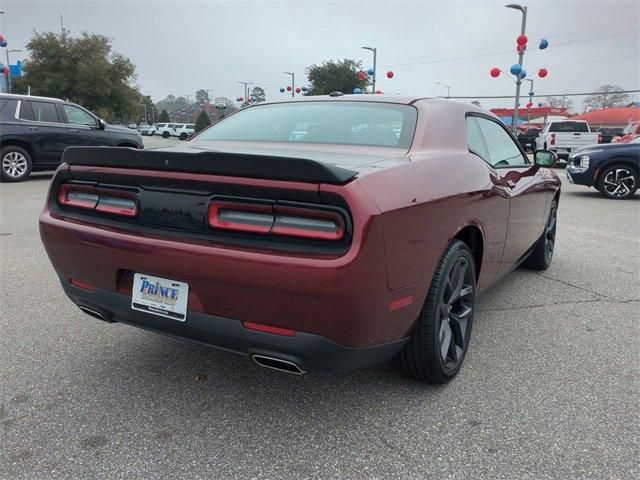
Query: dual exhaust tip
column 279, row 364
column 266, row 361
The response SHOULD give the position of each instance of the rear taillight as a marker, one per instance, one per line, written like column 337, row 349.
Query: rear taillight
column 553, row 139
column 103, row 200
column 275, row 219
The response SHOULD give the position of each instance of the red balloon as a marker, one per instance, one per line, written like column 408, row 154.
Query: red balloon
column 389, row 74
column 298, row 90
column 530, row 104
column 379, row 92
column 362, row 75
column 495, row 72
column 522, row 40
column 5, row 70
column 288, row 88
column 1, row 38
column 521, row 48
column 241, row 99
column 543, row 72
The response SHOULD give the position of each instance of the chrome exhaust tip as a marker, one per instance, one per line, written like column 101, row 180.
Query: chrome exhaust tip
column 95, row 314
column 278, row 364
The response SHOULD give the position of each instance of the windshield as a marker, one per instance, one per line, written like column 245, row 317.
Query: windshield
column 568, row 127
column 346, row 123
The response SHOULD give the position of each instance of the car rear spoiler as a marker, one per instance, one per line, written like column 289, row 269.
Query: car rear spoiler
column 217, row 163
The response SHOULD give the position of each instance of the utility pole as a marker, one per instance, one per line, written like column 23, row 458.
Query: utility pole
column 514, row 124
column 375, row 71
column 61, row 25
column 293, row 82
column 246, row 89
column 530, row 80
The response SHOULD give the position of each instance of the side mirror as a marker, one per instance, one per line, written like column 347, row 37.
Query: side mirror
column 545, row 158
column 101, row 124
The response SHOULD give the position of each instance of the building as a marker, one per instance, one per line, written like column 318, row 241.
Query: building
column 616, row 117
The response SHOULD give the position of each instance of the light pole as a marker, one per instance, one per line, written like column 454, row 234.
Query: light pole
column 375, row 72
column 530, row 80
column 293, row 82
column 246, row 89
column 514, row 124
column 448, row 88
column 9, row 65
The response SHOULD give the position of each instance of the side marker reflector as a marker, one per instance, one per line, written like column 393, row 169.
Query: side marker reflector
column 400, row 303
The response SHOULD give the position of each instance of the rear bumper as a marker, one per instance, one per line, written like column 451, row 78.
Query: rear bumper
column 313, row 353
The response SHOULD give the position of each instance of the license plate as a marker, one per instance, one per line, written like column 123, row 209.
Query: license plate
column 160, row 296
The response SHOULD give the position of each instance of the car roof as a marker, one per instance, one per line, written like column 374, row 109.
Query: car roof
column 401, row 99
column 13, row 96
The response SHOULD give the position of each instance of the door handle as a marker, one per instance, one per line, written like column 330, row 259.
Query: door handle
column 33, row 128
column 74, row 131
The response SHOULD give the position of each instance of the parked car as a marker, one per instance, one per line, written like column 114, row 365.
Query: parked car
column 133, row 126
column 184, row 130
column 528, row 139
column 328, row 251
column 613, row 169
column 34, row 132
column 607, row 134
column 563, row 137
column 165, row 130
column 148, row 130
column 630, row 132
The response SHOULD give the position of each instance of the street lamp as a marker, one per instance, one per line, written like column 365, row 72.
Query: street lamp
column 530, row 80
column 246, row 89
column 375, row 72
column 293, row 82
column 448, row 88
column 514, row 124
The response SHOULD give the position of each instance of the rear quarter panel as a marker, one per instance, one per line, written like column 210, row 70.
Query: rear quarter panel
column 426, row 202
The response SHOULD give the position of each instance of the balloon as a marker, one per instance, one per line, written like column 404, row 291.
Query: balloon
column 522, row 40
column 544, row 43
column 495, row 72
column 523, row 74
column 521, row 48
column 371, row 72
column 3, row 43
column 288, row 88
column 281, row 89
column 362, row 76
column 304, row 89
column 530, row 104
column 540, row 104
column 357, row 90
column 516, row 68
column 298, row 89
column 6, row 70
column 379, row 92
column 241, row 99
column 253, row 98
column 531, row 94
column 389, row 74
column 1, row 38
column 543, row 72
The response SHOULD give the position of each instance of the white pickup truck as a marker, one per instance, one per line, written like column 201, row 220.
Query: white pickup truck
column 565, row 136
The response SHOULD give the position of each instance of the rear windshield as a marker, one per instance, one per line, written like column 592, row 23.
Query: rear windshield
column 345, row 123
column 568, row 127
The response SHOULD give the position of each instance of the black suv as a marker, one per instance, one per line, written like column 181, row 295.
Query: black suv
column 34, row 131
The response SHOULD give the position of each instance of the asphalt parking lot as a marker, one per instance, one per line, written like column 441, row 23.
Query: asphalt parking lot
column 550, row 387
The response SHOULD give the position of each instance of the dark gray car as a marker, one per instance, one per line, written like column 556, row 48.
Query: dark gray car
column 34, row 131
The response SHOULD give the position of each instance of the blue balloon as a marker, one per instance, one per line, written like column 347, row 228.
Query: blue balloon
column 304, row 89
column 371, row 71
column 253, row 97
column 540, row 104
column 3, row 43
column 531, row 94
column 544, row 43
column 516, row 68
column 281, row 89
column 523, row 74
column 357, row 90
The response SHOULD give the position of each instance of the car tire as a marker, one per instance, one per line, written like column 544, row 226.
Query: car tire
column 542, row 254
column 618, row 182
column 152, row 134
column 16, row 164
column 183, row 136
column 166, row 134
column 440, row 339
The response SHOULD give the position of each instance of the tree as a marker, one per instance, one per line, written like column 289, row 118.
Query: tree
column 202, row 97
column 164, row 117
column 559, row 102
column 83, row 69
column 258, row 93
column 203, row 121
column 148, row 103
column 331, row 76
column 607, row 96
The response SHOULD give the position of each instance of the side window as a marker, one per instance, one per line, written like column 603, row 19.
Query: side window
column 503, row 151
column 77, row 116
column 8, row 109
column 475, row 142
column 26, row 113
column 44, row 112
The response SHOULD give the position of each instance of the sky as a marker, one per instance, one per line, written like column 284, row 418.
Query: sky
column 179, row 46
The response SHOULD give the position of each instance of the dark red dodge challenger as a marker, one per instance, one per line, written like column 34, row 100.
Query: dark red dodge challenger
column 323, row 234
